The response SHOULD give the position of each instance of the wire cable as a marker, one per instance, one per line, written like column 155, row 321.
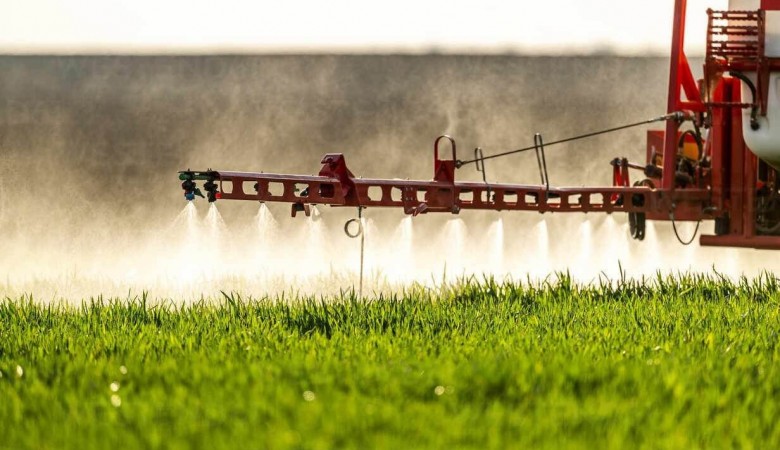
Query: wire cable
column 679, row 116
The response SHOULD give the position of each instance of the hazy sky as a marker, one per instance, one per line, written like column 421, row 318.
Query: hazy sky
column 170, row 26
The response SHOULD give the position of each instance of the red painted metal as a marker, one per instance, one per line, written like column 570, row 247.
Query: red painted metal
column 718, row 183
column 736, row 42
column 719, row 151
column 340, row 188
column 680, row 80
column 770, row 5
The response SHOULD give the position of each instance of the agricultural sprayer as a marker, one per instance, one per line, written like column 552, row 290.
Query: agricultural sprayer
column 716, row 160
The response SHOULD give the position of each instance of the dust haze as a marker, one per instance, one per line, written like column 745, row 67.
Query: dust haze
column 90, row 203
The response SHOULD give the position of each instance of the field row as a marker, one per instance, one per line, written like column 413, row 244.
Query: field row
column 686, row 362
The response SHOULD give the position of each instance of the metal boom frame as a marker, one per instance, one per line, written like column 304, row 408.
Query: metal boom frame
column 720, row 186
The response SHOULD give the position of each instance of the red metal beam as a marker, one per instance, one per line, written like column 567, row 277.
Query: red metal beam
column 336, row 186
column 770, row 5
column 673, row 100
column 757, row 242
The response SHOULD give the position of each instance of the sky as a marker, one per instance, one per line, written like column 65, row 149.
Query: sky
column 632, row 27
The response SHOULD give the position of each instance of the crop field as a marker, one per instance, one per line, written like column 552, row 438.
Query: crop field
column 685, row 361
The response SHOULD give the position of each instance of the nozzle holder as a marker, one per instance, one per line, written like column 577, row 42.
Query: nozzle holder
column 212, row 190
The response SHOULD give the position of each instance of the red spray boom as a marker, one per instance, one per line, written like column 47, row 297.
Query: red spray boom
column 703, row 172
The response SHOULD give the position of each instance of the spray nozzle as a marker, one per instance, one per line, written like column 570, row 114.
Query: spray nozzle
column 300, row 207
column 212, row 190
column 190, row 189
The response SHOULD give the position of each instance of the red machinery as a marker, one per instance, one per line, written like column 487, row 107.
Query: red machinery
column 698, row 168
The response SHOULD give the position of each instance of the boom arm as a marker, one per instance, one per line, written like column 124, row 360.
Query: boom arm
column 337, row 186
column 704, row 173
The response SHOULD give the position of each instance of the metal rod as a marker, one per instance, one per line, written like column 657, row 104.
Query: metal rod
column 540, row 158
column 675, row 115
column 481, row 168
column 362, row 249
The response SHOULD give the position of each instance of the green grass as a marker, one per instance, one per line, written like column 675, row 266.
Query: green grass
column 682, row 362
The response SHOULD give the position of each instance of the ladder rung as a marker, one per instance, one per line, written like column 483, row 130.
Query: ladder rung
column 734, row 12
column 752, row 44
column 732, row 46
column 749, row 59
column 732, row 57
column 742, row 42
column 733, row 33
column 724, row 50
column 717, row 49
column 735, row 28
column 732, row 51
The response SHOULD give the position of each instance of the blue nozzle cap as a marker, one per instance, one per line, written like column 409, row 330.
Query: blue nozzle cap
column 190, row 196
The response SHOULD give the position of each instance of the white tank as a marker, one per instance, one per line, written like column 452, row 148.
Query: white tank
column 764, row 142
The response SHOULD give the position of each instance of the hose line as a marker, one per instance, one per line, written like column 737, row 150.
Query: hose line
column 674, row 227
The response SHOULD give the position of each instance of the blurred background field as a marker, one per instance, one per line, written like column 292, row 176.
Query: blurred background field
column 90, row 204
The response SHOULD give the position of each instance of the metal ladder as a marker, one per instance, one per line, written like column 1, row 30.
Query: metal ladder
column 735, row 44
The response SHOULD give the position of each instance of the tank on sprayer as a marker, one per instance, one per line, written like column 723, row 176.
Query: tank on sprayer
column 762, row 132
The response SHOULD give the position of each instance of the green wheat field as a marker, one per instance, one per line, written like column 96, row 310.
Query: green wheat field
column 684, row 361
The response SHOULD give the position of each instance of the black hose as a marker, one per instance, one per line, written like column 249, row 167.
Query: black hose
column 696, row 136
column 754, row 125
column 674, row 227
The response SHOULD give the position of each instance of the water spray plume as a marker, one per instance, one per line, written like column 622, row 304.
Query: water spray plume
column 495, row 246
column 615, row 251
column 314, row 258
column 213, row 241
column 189, row 251
column 264, row 239
column 583, row 266
column 266, row 225
column 214, row 222
column 453, row 243
column 401, row 252
column 541, row 257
